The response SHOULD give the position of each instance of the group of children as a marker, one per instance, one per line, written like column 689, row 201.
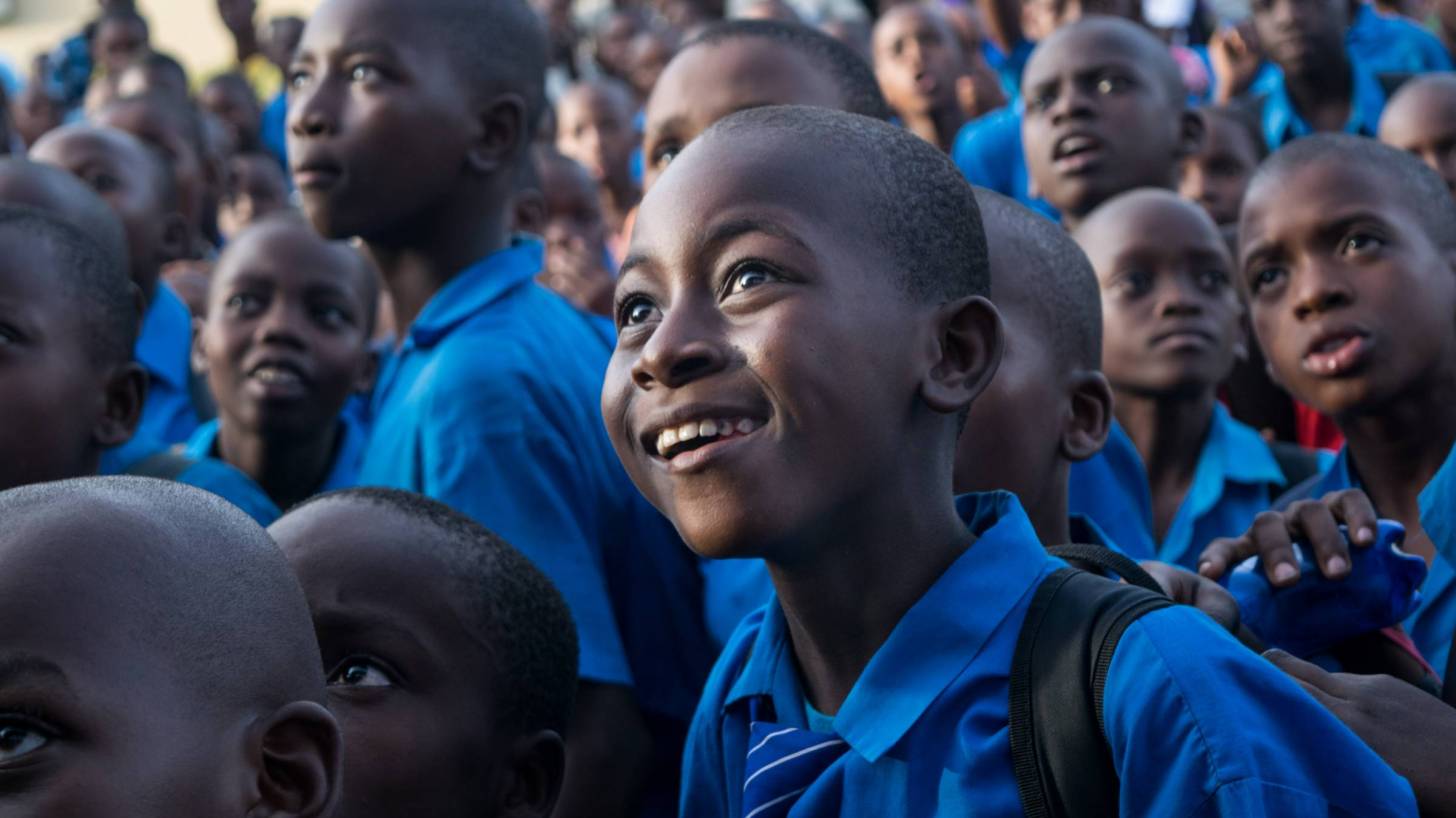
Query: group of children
column 692, row 438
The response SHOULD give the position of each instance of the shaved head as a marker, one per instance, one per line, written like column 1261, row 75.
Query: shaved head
column 1100, row 33
column 48, row 188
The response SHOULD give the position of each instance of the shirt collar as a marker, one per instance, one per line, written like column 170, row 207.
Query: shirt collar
column 1085, row 531
column 1282, row 124
column 1243, row 455
column 904, row 677
column 164, row 346
column 475, row 288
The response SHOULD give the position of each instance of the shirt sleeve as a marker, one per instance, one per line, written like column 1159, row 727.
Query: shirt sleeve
column 1201, row 726
column 527, row 485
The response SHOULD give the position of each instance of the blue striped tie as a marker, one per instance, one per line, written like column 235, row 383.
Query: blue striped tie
column 782, row 763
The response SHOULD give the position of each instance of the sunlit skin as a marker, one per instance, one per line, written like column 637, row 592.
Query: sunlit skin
column 1421, row 119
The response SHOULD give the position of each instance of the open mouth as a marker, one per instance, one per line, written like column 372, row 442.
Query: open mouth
column 690, row 436
column 279, row 376
column 1074, row 152
column 1336, row 353
column 926, row 83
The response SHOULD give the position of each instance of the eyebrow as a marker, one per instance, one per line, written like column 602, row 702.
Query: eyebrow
column 721, row 234
column 15, row 667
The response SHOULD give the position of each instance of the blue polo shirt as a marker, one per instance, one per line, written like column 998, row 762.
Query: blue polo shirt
column 1281, row 124
column 1433, row 624
column 1197, row 724
column 164, row 350
column 491, row 404
column 989, row 152
column 1394, row 44
column 205, row 473
column 343, row 474
column 1231, row 485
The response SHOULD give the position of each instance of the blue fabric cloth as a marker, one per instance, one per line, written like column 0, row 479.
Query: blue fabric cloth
column 1433, row 624
column 164, row 350
column 782, row 762
column 1231, row 485
column 1394, row 44
column 1009, row 66
column 1281, row 124
column 491, row 404
column 1198, row 724
column 343, row 474
column 205, row 473
column 989, row 152
column 70, row 70
column 275, row 131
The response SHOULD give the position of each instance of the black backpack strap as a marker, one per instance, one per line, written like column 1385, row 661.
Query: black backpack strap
column 1059, row 750
column 164, row 465
column 1107, row 561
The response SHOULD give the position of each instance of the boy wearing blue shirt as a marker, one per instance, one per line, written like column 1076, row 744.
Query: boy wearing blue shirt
column 489, row 402
column 284, row 346
column 1346, row 254
column 779, row 394
column 1184, row 471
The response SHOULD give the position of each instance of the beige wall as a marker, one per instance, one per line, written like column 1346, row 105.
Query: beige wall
column 188, row 29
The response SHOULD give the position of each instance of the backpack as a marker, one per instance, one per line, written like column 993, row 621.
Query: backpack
column 1059, row 751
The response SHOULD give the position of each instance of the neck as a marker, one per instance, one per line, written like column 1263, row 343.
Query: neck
column 419, row 257
column 1324, row 96
column 938, row 127
column 867, row 564
column 1049, row 515
column 1400, row 450
column 289, row 471
column 1169, row 433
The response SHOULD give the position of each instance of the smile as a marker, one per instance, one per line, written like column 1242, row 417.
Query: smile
column 695, row 434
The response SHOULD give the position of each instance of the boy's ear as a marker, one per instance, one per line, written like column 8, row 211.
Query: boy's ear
column 295, row 754
column 126, row 393
column 1090, row 419
column 176, row 241
column 501, row 135
column 537, row 766
column 1191, row 132
column 970, row 343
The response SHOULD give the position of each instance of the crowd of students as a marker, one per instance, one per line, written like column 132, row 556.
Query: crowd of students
column 1031, row 407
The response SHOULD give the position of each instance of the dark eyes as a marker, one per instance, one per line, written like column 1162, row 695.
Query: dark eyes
column 1359, row 243
column 359, row 672
column 364, row 72
column 19, row 739
column 748, row 276
column 1265, row 277
column 298, row 79
column 663, row 155
column 1213, row 280
column 635, row 311
column 332, row 317
column 244, row 304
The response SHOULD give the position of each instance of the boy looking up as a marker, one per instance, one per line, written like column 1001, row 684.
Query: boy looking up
column 159, row 659
column 450, row 658
column 284, row 346
column 1348, row 259
column 1105, row 113
column 1218, row 174
column 758, row 297
column 512, row 438
column 1421, row 119
column 918, row 61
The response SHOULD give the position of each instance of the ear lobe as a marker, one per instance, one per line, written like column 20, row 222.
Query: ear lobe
column 503, row 134
column 296, row 753
column 1191, row 133
column 537, row 766
column 970, row 344
column 126, row 393
column 1090, row 419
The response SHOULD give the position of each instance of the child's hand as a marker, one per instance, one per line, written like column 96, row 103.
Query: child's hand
column 1316, row 522
column 1412, row 730
column 1187, row 588
column 1234, row 52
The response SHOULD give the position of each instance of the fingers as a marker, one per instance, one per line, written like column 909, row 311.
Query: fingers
column 1275, row 547
column 1222, row 554
column 1353, row 508
column 1322, row 532
column 1323, row 685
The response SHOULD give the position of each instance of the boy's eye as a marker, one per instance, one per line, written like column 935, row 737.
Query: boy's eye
column 663, row 155
column 1112, row 84
column 245, row 304
column 359, row 673
column 1041, row 102
column 103, row 182
column 333, row 317
column 1358, row 243
column 1213, row 280
column 748, row 276
column 636, row 311
column 1264, row 277
column 1134, row 284
column 17, row 740
column 364, row 72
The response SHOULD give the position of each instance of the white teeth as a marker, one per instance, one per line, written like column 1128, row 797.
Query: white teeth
column 687, row 431
column 745, row 426
column 725, row 428
column 708, row 428
column 271, row 374
column 667, row 439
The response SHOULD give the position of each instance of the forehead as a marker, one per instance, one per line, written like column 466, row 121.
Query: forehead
column 28, row 272
column 1084, row 50
column 1223, row 135
column 117, row 151
column 148, row 120
column 590, row 101
column 1154, row 224
column 902, row 21
column 378, row 24
column 119, row 27
column 291, row 252
column 707, row 82
column 566, row 181
column 1318, row 193
column 1425, row 111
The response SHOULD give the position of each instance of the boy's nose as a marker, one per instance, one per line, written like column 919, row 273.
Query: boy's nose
column 1318, row 290
column 309, row 114
column 678, row 353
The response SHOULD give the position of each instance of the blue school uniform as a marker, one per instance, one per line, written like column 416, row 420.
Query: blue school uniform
column 989, row 152
column 164, row 349
column 274, row 130
column 1197, row 724
column 491, row 404
column 1393, row 44
column 1231, row 485
column 343, row 473
column 1433, row 624
column 206, row 473
column 1281, row 124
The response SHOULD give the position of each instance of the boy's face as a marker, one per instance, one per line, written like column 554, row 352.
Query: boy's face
column 143, row 119
column 646, row 59
column 1352, row 301
column 233, row 103
column 594, row 127
column 118, row 43
column 573, row 212
column 1301, row 35
column 1423, row 122
column 255, row 188
column 286, row 337
column 409, row 677
column 916, row 61
column 764, row 360
column 116, row 166
column 1171, row 315
column 55, row 391
column 368, row 86
column 1098, row 121
column 1216, row 176
column 94, row 719
column 706, row 83
column 614, row 41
